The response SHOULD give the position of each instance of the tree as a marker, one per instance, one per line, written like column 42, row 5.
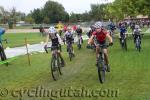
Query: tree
column 98, row 11
column 4, row 15
column 29, row 19
column 37, row 16
column 55, row 12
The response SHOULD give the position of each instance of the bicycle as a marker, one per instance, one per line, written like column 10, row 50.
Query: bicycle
column 70, row 51
column 138, row 42
column 123, row 42
column 55, row 62
column 80, row 41
column 101, row 67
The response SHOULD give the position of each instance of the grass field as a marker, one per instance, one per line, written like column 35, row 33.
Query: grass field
column 129, row 74
column 18, row 39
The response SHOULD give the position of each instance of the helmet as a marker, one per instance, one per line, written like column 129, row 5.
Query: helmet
column 122, row 25
column 137, row 26
column 52, row 30
column 98, row 24
column 78, row 26
column 68, row 28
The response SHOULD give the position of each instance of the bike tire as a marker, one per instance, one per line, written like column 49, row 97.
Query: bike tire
column 70, row 56
column 59, row 66
column 101, row 74
column 79, row 46
column 54, row 69
column 138, row 46
column 125, row 45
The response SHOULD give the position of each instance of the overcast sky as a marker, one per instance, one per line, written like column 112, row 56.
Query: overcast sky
column 76, row 6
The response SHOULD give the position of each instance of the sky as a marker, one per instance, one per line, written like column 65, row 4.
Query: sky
column 76, row 6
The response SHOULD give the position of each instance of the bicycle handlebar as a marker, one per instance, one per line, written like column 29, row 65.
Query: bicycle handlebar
column 45, row 48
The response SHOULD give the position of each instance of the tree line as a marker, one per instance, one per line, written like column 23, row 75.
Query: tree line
column 52, row 12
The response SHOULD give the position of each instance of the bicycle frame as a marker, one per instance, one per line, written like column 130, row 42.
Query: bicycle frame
column 101, row 64
column 69, row 47
column 80, row 39
column 55, row 62
column 137, row 43
column 101, row 56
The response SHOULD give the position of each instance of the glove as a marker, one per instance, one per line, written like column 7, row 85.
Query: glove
column 111, row 43
column 45, row 46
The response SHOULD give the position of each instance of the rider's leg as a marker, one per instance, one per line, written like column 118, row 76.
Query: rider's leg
column 62, row 60
column 97, row 53
column 106, row 59
column 72, row 50
column 67, row 47
column 106, row 56
column 134, row 38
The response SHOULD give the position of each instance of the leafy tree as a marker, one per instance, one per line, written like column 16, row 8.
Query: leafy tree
column 55, row 12
column 37, row 16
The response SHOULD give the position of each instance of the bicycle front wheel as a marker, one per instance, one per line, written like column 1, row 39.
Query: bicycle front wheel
column 101, row 73
column 55, row 70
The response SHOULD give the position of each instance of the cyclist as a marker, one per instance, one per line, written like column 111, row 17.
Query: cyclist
column 123, row 30
column 2, row 31
column 60, row 27
column 100, row 34
column 111, row 28
column 56, row 41
column 137, row 32
column 79, row 32
column 69, row 38
column 91, row 30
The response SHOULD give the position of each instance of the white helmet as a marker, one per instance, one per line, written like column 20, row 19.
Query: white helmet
column 78, row 26
column 52, row 30
column 98, row 24
column 68, row 28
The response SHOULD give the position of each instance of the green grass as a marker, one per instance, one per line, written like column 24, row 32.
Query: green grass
column 18, row 39
column 129, row 74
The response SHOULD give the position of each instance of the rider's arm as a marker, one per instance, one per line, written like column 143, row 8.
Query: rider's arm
column 47, row 38
column 90, row 39
column 109, row 38
column 59, row 39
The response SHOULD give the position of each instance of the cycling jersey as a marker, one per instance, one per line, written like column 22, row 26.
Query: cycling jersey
column 69, row 37
column 101, row 36
column 79, row 31
column 111, row 27
column 2, row 31
column 59, row 27
column 137, row 31
column 55, row 39
column 122, row 31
